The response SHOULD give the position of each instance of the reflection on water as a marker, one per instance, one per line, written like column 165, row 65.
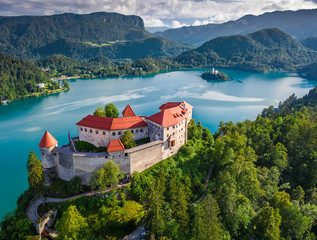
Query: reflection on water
column 23, row 122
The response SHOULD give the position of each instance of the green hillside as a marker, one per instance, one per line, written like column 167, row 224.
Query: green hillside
column 311, row 43
column 309, row 71
column 265, row 50
column 154, row 47
column 82, row 36
column 19, row 78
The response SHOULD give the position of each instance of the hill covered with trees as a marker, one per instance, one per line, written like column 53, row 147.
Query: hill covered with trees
column 265, row 50
column 309, row 71
column 82, row 36
column 299, row 24
column 19, row 78
column 311, row 43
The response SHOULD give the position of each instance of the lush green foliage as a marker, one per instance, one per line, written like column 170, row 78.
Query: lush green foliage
column 265, row 50
column 108, row 175
column 84, row 146
column 263, row 183
column 311, row 43
column 35, row 171
column 74, row 186
column 111, row 111
column 309, row 71
column 208, row 75
column 19, row 78
column 72, row 225
column 127, row 140
column 16, row 225
column 57, row 65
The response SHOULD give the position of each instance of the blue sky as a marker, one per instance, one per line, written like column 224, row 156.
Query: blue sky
column 157, row 13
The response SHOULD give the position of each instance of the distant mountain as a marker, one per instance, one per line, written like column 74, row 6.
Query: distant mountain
column 311, row 43
column 265, row 50
column 299, row 24
column 82, row 36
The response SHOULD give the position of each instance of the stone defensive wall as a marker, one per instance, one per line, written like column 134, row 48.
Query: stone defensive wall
column 70, row 164
column 144, row 156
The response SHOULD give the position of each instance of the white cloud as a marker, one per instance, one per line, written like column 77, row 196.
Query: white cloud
column 177, row 24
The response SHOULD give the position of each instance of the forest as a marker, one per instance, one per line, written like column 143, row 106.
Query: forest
column 19, row 78
column 262, row 186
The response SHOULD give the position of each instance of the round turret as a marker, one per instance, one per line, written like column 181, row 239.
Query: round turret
column 47, row 144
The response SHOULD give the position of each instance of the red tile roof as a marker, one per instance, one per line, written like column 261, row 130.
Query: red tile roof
column 115, row 146
column 47, row 140
column 112, row 123
column 169, row 105
column 171, row 113
column 128, row 112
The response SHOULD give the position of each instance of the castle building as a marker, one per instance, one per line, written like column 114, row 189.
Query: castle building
column 167, row 131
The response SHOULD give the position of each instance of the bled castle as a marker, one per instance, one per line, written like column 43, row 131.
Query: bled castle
column 167, row 131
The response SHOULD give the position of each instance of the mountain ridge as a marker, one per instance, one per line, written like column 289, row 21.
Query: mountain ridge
column 300, row 24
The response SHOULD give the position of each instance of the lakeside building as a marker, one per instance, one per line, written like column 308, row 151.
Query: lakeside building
column 167, row 131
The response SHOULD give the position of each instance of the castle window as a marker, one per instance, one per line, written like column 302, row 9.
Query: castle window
column 119, row 133
column 104, row 133
column 168, row 128
column 106, row 156
column 81, row 129
column 132, row 131
column 85, row 129
column 126, row 154
column 114, row 134
column 90, row 131
column 168, row 135
column 141, row 130
column 97, row 132
column 136, row 130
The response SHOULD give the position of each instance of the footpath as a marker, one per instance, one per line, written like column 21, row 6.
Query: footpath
column 31, row 211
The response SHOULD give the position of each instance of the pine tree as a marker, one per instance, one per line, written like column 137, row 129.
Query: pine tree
column 72, row 225
column 35, row 171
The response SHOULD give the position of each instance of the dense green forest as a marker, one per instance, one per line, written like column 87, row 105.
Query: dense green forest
column 265, row 50
column 83, row 36
column 310, row 42
column 19, row 78
column 101, row 66
column 262, row 186
column 309, row 71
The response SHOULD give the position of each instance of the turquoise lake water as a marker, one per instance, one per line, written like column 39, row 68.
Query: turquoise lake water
column 23, row 122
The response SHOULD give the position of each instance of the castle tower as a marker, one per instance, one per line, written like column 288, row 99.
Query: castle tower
column 47, row 144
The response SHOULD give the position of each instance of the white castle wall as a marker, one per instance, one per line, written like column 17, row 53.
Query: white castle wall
column 100, row 137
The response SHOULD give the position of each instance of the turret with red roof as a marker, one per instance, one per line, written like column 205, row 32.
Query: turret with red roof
column 47, row 144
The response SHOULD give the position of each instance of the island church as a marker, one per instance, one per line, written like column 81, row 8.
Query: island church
column 166, row 129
